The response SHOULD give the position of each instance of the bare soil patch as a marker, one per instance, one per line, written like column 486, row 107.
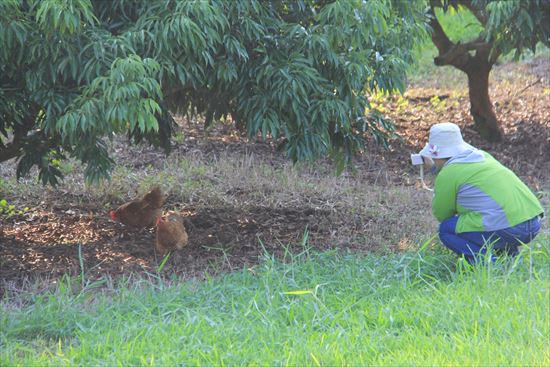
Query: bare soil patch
column 64, row 227
column 42, row 243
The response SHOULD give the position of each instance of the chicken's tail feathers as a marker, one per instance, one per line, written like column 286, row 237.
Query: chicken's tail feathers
column 154, row 197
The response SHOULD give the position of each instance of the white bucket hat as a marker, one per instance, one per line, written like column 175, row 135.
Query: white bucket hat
column 445, row 142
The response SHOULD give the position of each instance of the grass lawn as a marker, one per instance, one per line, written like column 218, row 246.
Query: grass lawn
column 415, row 308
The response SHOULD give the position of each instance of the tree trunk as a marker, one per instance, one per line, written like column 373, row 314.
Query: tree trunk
column 481, row 108
column 13, row 148
column 475, row 58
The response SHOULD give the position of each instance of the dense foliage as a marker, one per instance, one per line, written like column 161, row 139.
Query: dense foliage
column 76, row 72
column 508, row 25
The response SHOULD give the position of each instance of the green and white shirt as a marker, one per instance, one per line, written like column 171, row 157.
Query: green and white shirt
column 484, row 194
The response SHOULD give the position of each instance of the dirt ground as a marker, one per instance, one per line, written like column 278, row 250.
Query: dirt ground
column 56, row 236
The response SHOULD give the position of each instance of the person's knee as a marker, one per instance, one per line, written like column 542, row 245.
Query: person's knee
column 448, row 226
column 447, row 232
column 533, row 231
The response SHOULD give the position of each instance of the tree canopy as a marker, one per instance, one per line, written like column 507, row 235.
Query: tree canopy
column 74, row 73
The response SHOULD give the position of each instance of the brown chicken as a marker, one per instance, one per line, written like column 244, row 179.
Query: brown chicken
column 171, row 234
column 140, row 212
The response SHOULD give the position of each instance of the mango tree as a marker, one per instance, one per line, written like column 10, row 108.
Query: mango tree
column 75, row 73
column 506, row 25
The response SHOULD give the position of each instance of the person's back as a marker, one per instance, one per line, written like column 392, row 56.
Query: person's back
column 487, row 196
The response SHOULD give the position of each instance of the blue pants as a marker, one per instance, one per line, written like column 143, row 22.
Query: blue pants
column 474, row 244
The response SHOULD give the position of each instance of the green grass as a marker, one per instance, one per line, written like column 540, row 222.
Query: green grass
column 310, row 309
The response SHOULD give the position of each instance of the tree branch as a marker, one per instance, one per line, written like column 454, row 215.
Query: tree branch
column 449, row 53
column 458, row 54
column 439, row 38
column 9, row 151
column 13, row 148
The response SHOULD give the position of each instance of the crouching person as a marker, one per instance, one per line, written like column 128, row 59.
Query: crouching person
column 477, row 200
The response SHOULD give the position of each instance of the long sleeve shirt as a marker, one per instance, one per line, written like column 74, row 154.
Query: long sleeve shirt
column 484, row 194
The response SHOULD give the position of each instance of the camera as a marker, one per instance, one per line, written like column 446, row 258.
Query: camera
column 416, row 159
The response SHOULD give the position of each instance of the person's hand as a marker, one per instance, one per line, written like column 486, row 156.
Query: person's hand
column 428, row 163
